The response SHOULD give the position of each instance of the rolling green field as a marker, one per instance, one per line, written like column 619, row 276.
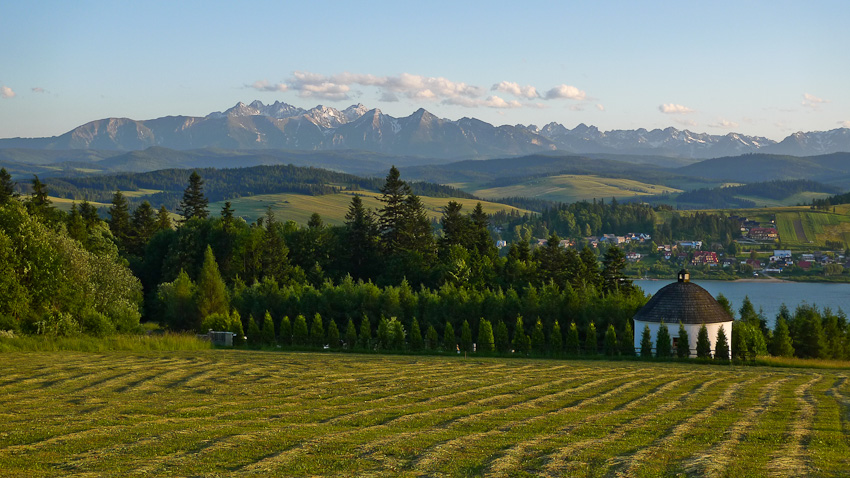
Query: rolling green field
column 572, row 188
column 818, row 227
column 333, row 207
column 233, row 413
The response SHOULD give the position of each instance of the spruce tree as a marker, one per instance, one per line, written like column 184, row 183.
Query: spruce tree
column 703, row 343
column 683, row 345
column 333, row 334
column 268, row 333
column 194, row 203
column 317, row 331
column 361, row 240
column 572, row 344
column 502, row 338
column 210, row 292
column 781, row 344
column 590, row 340
column 627, row 340
column 383, row 334
column 721, row 347
column 486, row 341
column 556, row 340
column 39, row 203
column 119, row 220
column 227, row 217
column 255, row 337
column 350, row 334
column 236, row 328
column 364, row 338
column 143, row 227
column 662, row 342
column 392, row 215
column 611, row 341
column 416, row 342
column 285, row 330
column 646, row 343
column 299, row 330
column 432, row 339
column 163, row 219
column 7, row 187
column 465, row 337
column 396, row 334
column 449, row 340
column 520, row 338
column 538, row 338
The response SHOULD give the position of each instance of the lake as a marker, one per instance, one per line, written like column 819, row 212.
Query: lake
column 769, row 295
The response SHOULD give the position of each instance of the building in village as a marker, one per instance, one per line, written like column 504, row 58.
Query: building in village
column 685, row 302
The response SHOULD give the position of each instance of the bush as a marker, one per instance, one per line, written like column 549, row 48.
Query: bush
column 96, row 324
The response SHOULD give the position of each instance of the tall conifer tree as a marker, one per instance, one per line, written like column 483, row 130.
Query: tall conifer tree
column 194, row 202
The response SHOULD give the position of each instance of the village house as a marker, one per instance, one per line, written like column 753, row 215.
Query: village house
column 704, row 258
column 633, row 257
column 690, row 244
column 763, row 234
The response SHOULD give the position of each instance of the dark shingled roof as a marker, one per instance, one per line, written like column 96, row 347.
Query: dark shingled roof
column 685, row 302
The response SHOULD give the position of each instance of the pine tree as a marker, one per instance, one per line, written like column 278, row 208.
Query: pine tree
column 383, row 333
column 502, row 338
column 143, row 227
column 556, row 340
column 703, row 343
column 39, row 203
column 350, row 334
column 662, row 341
column 538, row 338
column 227, row 217
column 7, row 187
column 299, row 330
column 590, row 340
column 465, row 337
column 572, row 345
column 432, row 339
column 392, row 215
column 627, row 340
column 317, row 331
column 364, row 338
column 163, row 219
column 333, row 334
column 449, row 340
column 194, row 203
column 781, row 344
column 255, row 337
column 646, row 343
column 396, row 334
column 610, row 341
column 211, row 293
column 268, row 334
column 119, row 220
column 486, row 341
column 415, row 335
column 683, row 345
column 613, row 265
column 285, row 330
column 721, row 347
column 520, row 338
column 361, row 235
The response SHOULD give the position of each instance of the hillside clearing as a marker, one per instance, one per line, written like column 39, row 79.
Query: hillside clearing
column 334, row 207
column 235, row 413
column 572, row 188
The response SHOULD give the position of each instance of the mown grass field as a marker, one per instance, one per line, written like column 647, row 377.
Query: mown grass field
column 333, row 207
column 572, row 188
column 234, row 413
column 818, row 227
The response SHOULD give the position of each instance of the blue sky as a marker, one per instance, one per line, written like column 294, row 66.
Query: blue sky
column 758, row 68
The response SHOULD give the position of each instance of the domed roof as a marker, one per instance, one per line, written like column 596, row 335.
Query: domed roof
column 684, row 302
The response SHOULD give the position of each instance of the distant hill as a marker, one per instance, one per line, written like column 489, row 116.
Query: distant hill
column 830, row 168
column 285, row 127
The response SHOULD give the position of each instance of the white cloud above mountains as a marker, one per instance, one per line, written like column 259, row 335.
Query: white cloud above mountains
column 844, row 124
column 6, row 92
column 674, row 109
column 812, row 101
column 724, row 124
column 341, row 86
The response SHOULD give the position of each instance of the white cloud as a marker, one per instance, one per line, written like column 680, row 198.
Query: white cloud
column 844, row 124
column 674, row 109
column 496, row 102
column 724, row 124
column 512, row 88
column 566, row 92
column 264, row 85
column 812, row 101
column 38, row 89
column 687, row 122
column 6, row 92
column 600, row 107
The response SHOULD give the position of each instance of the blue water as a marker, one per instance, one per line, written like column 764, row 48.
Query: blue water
column 770, row 295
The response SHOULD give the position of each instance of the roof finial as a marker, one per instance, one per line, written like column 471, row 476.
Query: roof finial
column 684, row 276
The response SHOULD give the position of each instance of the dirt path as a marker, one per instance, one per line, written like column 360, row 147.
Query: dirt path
column 798, row 229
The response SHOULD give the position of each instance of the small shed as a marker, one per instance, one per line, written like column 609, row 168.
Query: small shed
column 685, row 302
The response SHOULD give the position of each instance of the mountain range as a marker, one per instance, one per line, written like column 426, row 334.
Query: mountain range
column 281, row 126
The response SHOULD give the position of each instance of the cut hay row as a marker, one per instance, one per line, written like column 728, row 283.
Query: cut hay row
column 236, row 413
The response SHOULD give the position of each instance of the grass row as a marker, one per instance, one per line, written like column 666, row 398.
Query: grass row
column 215, row 412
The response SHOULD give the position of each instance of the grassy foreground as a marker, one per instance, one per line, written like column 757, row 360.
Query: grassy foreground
column 236, row 413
